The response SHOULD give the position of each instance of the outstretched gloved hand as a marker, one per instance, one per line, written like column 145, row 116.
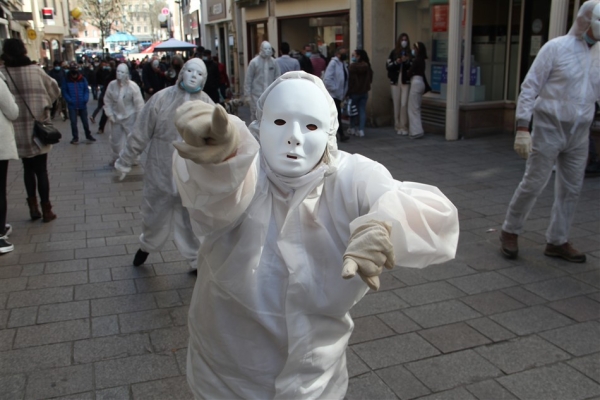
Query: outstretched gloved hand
column 369, row 250
column 523, row 144
column 210, row 138
column 122, row 169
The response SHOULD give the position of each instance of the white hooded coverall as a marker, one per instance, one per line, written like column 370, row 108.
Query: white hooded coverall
column 122, row 103
column 560, row 91
column 161, row 205
column 262, row 71
column 269, row 316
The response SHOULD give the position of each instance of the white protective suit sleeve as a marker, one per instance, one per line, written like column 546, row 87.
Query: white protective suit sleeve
column 138, row 140
column 534, row 81
column 217, row 194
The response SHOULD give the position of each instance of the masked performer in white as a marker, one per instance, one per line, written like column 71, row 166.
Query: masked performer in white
column 262, row 71
column 284, row 223
column 154, row 132
column 122, row 103
column 559, row 91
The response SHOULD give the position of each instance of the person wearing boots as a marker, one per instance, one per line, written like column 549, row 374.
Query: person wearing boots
column 76, row 92
column 31, row 86
column 559, row 91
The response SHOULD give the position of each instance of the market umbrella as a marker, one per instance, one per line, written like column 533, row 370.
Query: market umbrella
column 121, row 37
column 150, row 49
column 174, row 44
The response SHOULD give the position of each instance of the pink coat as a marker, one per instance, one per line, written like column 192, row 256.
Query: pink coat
column 319, row 65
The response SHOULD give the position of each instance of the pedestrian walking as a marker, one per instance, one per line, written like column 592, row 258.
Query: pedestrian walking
column 213, row 78
column 122, row 103
column 285, row 62
column 58, row 74
column 76, row 92
column 359, row 85
column 9, row 111
column 398, row 64
column 560, row 92
column 36, row 91
column 317, row 60
column 261, row 72
column 416, row 74
column 155, row 132
column 336, row 82
column 295, row 232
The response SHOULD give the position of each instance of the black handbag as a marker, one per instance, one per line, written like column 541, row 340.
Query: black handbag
column 45, row 132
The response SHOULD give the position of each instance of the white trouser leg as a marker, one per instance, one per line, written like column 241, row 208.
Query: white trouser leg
column 404, row 107
column 157, row 220
column 117, row 138
column 417, row 88
column 570, row 171
column 186, row 241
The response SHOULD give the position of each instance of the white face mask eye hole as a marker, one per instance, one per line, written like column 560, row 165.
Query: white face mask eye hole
column 311, row 127
column 279, row 122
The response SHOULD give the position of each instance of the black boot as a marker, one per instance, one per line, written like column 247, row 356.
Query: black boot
column 140, row 257
column 34, row 211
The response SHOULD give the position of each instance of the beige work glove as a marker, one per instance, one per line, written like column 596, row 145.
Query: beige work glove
column 523, row 144
column 210, row 138
column 369, row 250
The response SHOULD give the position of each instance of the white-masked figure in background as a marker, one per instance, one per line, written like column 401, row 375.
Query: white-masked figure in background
column 283, row 223
column 559, row 90
column 122, row 103
column 262, row 71
column 154, row 133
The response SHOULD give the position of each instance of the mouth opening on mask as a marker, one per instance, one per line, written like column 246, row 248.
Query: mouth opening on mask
column 292, row 157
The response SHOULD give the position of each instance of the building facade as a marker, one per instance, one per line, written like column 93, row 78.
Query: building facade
column 496, row 41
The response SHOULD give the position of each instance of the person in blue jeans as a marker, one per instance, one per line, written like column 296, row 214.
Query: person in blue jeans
column 361, row 76
column 76, row 93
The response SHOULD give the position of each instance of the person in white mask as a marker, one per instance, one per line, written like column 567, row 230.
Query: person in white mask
column 262, row 71
column 154, row 133
column 559, row 91
column 283, row 223
column 122, row 103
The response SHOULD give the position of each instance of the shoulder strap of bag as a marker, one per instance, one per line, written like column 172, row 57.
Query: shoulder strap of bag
column 18, row 91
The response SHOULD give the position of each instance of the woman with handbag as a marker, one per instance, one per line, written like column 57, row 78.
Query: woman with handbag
column 418, row 87
column 9, row 111
column 34, row 93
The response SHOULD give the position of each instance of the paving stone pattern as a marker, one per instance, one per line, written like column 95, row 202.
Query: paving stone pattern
column 78, row 321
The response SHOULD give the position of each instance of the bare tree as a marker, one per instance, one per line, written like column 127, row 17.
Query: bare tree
column 102, row 14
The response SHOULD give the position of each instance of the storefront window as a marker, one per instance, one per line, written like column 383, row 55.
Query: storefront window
column 328, row 32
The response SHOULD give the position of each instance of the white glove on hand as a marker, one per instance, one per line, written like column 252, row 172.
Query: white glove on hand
column 209, row 136
column 122, row 169
column 523, row 144
column 369, row 250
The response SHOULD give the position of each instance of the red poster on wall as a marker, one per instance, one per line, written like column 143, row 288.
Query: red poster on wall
column 439, row 18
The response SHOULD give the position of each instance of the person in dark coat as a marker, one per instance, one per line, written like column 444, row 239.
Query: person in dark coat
column 213, row 79
column 58, row 74
column 304, row 59
column 153, row 77
column 76, row 92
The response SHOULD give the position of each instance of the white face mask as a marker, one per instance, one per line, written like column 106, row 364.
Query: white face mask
column 404, row 43
column 596, row 22
column 266, row 50
column 193, row 76
column 122, row 72
column 293, row 127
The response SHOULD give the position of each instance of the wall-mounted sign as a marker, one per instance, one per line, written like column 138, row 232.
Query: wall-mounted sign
column 216, row 10
column 22, row 16
column 165, row 11
column 47, row 13
column 31, row 34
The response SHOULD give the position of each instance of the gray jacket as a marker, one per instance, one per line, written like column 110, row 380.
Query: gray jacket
column 336, row 78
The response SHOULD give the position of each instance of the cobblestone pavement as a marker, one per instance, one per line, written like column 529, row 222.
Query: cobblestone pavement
column 77, row 321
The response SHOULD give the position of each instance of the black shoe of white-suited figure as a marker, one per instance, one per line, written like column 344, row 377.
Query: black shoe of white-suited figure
column 140, row 257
